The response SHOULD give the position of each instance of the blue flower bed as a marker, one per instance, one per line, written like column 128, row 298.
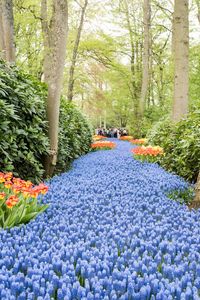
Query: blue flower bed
column 109, row 233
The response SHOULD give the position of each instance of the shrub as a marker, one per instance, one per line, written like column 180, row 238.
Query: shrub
column 75, row 135
column 181, row 144
column 23, row 140
column 23, row 127
column 151, row 116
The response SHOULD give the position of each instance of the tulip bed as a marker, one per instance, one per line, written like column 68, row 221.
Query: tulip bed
column 103, row 145
column 126, row 138
column 148, row 153
column 139, row 141
column 110, row 232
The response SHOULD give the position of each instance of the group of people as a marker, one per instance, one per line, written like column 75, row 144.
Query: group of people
column 112, row 132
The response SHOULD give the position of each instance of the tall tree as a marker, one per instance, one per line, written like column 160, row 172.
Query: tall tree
column 55, row 33
column 146, row 54
column 75, row 52
column 134, row 66
column 181, row 59
column 7, row 46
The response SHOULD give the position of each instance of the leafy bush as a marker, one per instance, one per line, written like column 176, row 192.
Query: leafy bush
column 23, row 139
column 151, row 116
column 23, row 127
column 181, row 144
column 19, row 200
column 75, row 135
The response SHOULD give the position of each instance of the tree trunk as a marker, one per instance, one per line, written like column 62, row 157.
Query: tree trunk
column 75, row 53
column 7, row 45
column 181, row 59
column 2, row 37
column 55, row 39
column 146, row 54
column 134, row 87
column 196, row 202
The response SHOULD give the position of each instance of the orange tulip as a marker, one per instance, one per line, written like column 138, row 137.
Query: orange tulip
column 12, row 201
column 34, row 193
column 8, row 176
column 42, row 188
column 2, row 195
column 8, row 184
column 2, row 179
column 9, row 204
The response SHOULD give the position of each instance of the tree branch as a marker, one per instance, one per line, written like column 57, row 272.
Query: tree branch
column 30, row 9
column 165, row 10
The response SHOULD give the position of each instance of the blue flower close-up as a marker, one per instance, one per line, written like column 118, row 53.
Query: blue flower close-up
column 110, row 232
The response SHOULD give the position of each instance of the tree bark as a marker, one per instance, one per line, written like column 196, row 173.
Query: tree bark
column 75, row 53
column 196, row 202
column 55, row 38
column 7, row 45
column 146, row 54
column 181, row 59
column 2, row 37
column 134, row 87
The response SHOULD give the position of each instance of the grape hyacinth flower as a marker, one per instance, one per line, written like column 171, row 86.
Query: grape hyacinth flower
column 110, row 232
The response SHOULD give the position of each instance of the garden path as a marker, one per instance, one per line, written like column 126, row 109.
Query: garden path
column 110, row 233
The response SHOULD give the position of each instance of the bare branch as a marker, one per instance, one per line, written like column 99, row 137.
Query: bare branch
column 165, row 10
column 30, row 9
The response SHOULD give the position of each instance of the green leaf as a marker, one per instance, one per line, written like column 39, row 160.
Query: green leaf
column 29, row 217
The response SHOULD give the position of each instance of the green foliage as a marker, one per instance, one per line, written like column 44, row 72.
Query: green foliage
column 28, row 38
column 23, row 127
column 181, row 144
column 23, row 140
column 75, row 135
column 182, row 196
column 151, row 116
column 194, row 90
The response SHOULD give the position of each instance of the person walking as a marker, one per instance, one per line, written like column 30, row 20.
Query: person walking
column 118, row 134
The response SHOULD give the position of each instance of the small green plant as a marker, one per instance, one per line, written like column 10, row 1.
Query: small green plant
column 182, row 196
